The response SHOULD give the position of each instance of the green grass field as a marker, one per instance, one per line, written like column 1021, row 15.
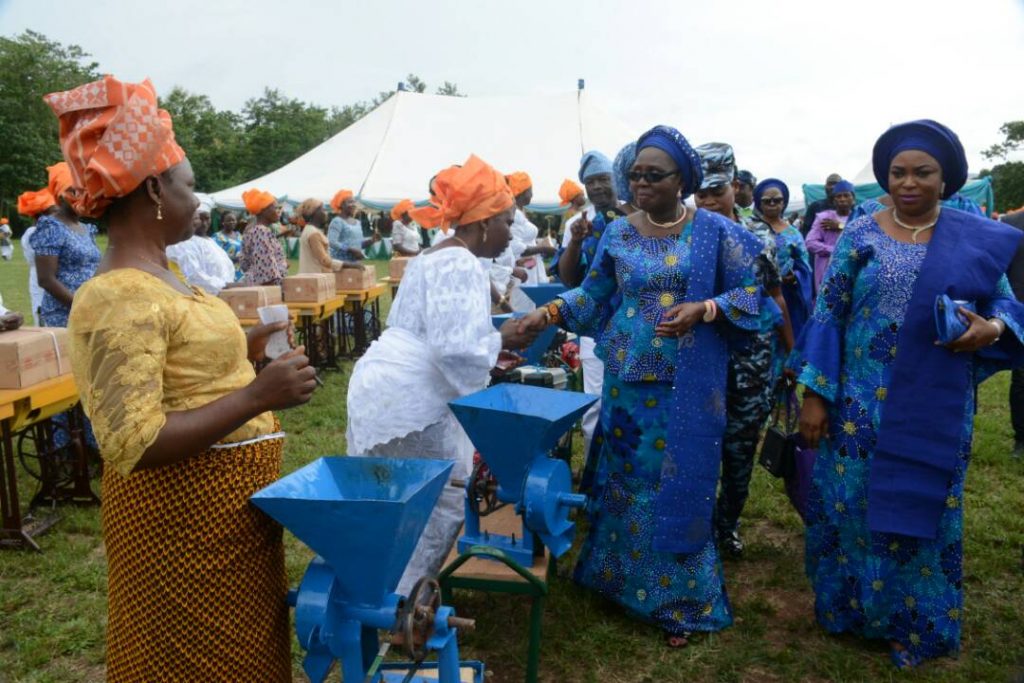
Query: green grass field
column 52, row 605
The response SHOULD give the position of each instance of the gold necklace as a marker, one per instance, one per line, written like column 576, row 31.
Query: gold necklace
column 145, row 258
column 916, row 229
column 458, row 239
column 667, row 226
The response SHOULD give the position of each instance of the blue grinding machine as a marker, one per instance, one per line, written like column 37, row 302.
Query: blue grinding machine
column 514, row 427
column 363, row 517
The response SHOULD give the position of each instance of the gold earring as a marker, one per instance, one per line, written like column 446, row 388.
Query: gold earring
column 159, row 214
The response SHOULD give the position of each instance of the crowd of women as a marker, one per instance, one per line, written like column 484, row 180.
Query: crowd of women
column 697, row 313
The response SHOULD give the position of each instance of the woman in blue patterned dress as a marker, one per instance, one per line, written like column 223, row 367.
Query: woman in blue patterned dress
column 665, row 291
column 893, row 410
column 771, row 197
column 229, row 239
column 66, row 252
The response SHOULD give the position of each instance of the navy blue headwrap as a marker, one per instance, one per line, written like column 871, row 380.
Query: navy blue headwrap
column 672, row 142
column 842, row 186
column 926, row 136
column 621, row 167
column 764, row 185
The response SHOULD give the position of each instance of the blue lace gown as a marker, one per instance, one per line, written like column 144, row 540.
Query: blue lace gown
column 876, row 585
column 78, row 257
column 633, row 281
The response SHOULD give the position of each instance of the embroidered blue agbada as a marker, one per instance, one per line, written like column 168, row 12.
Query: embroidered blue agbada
column 632, row 282
column 885, row 524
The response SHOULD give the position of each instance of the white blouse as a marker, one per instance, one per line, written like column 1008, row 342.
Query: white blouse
column 439, row 345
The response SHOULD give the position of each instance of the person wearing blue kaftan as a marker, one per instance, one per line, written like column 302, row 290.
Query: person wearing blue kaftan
column 771, row 197
column 892, row 410
column 665, row 292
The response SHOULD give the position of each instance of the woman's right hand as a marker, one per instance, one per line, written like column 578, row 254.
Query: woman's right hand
column 286, row 382
column 813, row 419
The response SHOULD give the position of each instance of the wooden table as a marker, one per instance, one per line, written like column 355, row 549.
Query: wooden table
column 310, row 316
column 487, row 569
column 32, row 407
column 356, row 331
column 393, row 282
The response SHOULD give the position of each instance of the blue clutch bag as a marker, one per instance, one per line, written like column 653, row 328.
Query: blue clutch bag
column 949, row 322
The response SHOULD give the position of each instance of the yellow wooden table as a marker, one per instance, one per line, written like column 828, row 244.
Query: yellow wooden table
column 322, row 316
column 32, row 407
column 393, row 282
column 359, row 321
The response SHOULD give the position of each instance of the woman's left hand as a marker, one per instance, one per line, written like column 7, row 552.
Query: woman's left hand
column 258, row 336
column 679, row 319
column 979, row 334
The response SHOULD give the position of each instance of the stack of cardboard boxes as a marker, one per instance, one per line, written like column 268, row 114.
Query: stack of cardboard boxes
column 31, row 355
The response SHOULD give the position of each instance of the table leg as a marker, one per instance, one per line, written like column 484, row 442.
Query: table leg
column 360, row 329
column 309, row 335
column 328, row 325
column 12, row 532
column 343, row 342
column 533, row 654
column 375, row 317
column 81, row 492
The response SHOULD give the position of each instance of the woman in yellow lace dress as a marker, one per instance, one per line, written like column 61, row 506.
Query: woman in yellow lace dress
column 196, row 578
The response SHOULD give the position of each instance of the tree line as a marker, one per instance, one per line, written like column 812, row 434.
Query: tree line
column 225, row 147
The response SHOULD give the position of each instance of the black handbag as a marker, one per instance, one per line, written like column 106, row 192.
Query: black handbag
column 778, row 451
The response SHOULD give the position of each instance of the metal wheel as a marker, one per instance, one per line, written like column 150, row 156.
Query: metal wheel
column 416, row 618
column 483, row 489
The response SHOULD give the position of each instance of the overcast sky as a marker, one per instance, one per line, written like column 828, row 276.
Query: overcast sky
column 799, row 88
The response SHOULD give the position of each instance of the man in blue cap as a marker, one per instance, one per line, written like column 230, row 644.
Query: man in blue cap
column 744, row 190
column 579, row 242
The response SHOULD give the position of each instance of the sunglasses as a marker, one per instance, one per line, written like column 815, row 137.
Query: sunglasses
column 772, row 201
column 649, row 176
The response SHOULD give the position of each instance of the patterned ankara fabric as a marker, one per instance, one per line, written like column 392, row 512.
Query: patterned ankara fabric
column 77, row 260
column 676, row 592
column 196, row 581
column 263, row 259
column 631, row 284
column 233, row 247
column 114, row 135
column 877, row 585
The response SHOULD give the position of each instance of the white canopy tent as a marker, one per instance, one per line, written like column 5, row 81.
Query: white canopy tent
column 392, row 152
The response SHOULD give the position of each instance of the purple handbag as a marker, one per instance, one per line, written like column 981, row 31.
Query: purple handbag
column 798, row 479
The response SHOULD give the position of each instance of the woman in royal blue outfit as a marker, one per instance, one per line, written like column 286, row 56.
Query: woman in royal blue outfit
column 667, row 289
column 893, row 410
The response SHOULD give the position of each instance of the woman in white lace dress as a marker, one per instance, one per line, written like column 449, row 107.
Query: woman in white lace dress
column 439, row 345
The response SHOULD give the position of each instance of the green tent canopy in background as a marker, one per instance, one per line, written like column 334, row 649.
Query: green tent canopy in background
column 979, row 191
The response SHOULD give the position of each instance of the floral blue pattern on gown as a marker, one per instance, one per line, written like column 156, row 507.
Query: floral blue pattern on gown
column 78, row 257
column 233, row 247
column 632, row 283
column 876, row 585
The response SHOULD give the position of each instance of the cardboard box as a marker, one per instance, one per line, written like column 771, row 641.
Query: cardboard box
column 353, row 279
column 396, row 266
column 311, row 288
column 245, row 300
column 31, row 355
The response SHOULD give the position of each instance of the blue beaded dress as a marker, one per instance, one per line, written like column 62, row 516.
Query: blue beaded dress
column 877, row 585
column 631, row 283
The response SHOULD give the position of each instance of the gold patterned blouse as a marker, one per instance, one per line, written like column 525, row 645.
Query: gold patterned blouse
column 140, row 349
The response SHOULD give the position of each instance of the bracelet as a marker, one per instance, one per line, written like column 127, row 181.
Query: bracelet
column 710, row 310
column 1000, row 327
column 554, row 312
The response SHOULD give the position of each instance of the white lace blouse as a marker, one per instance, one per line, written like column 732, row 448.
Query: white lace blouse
column 439, row 345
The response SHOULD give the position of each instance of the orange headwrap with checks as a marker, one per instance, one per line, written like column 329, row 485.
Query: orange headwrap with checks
column 339, row 198
column 257, row 200
column 469, row 193
column 34, row 203
column 569, row 191
column 401, row 208
column 59, row 180
column 113, row 136
column 519, row 182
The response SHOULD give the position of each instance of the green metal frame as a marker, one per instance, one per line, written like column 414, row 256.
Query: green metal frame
column 533, row 587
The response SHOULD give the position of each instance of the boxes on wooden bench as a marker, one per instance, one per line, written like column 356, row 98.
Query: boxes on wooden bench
column 396, row 266
column 354, row 278
column 31, row 355
column 245, row 300
column 311, row 288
